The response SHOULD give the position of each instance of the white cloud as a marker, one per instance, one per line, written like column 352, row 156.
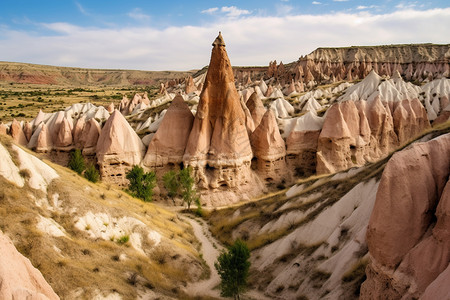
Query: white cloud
column 253, row 40
column 81, row 8
column 283, row 9
column 233, row 11
column 361, row 7
column 316, row 2
column 340, row 0
column 210, row 10
column 138, row 15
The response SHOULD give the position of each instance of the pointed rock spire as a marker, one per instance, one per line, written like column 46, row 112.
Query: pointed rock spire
column 219, row 133
column 169, row 142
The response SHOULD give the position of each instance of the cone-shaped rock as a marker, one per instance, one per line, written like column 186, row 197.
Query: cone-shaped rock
column 266, row 140
column 3, row 129
column 17, row 134
column 256, row 108
column 118, row 148
column 64, row 135
column 219, row 134
column 169, row 142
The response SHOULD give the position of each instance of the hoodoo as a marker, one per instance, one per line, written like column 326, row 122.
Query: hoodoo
column 218, row 147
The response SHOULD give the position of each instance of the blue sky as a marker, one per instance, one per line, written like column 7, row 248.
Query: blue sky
column 177, row 35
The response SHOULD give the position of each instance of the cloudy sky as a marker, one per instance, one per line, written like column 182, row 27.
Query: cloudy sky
column 177, row 35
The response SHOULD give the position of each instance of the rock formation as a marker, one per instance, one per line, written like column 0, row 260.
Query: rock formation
column 169, row 142
column 118, row 149
column 269, row 149
column 17, row 133
column 19, row 279
column 256, row 108
column 190, row 85
column 218, row 146
column 408, row 233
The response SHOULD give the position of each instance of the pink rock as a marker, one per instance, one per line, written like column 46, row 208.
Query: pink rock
column 256, row 108
column 44, row 141
column 28, row 130
column 19, row 279
column 64, row 135
column 169, row 142
column 408, row 230
column 266, row 141
column 190, row 85
column 17, row 133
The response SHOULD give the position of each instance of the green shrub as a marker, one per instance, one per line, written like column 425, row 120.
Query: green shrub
column 141, row 184
column 76, row 161
column 123, row 239
column 171, row 183
column 91, row 173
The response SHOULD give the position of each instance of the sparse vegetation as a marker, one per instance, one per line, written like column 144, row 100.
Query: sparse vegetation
column 123, row 239
column 141, row 183
column 76, row 161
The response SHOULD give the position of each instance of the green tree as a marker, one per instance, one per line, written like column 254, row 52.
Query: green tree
column 188, row 191
column 91, row 173
column 141, row 183
column 171, row 183
column 76, row 161
column 233, row 267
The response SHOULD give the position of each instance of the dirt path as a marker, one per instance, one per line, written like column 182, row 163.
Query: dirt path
column 210, row 254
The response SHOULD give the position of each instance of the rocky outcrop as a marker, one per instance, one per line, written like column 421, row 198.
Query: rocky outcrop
column 372, row 118
column 408, row 233
column 218, row 146
column 190, row 85
column 118, row 149
column 169, row 142
column 302, row 144
column 17, row 133
column 18, row 278
column 269, row 149
column 256, row 108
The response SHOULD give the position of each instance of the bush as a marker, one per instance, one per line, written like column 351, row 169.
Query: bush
column 188, row 192
column 76, row 161
column 233, row 267
column 171, row 183
column 141, row 184
column 91, row 173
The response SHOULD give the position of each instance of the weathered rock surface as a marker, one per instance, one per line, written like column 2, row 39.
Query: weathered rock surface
column 269, row 149
column 256, row 108
column 169, row 142
column 408, row 233
column 118, row 149
column 17, row 133
column 18, row 278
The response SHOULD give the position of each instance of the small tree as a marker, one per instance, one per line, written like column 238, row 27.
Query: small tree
column 91, row 173
column 76, row 161
column 199, row 210
column 141, row 184
column 233, row 267
column 171, row 183
column 187, row 186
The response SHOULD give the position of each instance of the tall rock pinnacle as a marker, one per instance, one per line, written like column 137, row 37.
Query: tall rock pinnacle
column 219, row 135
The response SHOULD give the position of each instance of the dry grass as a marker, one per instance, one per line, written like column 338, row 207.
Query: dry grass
column 76, row 260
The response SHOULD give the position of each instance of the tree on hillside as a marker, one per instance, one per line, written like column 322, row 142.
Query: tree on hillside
column 233, row 267
column 91, row 173
column 188, row 191
column 141, row 183
column 76, row 161
column 171, row 183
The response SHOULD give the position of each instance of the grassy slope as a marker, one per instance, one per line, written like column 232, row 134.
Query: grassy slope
column 93, row 264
